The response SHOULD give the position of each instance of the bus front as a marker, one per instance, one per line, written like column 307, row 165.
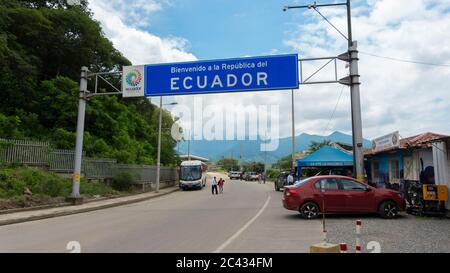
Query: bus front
column 191, row 175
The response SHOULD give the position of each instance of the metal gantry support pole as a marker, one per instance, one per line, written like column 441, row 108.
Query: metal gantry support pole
column 351, row 56
column 293, row 130
column 158, row 164
column 358, row 147
column 79, row 135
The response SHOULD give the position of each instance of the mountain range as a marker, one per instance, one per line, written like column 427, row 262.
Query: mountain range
column 217, row 149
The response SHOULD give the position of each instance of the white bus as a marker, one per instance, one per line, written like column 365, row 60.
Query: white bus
column 192, row 175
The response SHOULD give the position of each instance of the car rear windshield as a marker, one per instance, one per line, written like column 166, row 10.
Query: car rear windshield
column 301, row 182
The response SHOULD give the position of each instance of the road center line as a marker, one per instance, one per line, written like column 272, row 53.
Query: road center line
column 242, row 229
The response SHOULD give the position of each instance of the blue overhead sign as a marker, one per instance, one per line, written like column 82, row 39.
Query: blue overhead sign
column 216, row 76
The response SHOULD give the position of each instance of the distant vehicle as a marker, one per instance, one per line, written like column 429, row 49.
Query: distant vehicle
column 251, row 176
column 192, row 175
column 341, row 195
column 234, row 175
column 281, row 180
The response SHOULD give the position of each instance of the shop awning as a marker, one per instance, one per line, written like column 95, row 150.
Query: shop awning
column 327, row 156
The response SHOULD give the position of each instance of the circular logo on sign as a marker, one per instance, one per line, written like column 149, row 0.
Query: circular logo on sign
column 133, row 77
column 394, row 139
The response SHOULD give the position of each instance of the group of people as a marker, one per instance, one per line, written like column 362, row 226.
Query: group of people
column 217, row 184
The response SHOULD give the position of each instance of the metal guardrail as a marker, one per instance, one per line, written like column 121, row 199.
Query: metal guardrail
column 37, row 153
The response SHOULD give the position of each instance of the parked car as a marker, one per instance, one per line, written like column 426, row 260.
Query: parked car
column 234, row 175
column 341, row 194
column 251, row 176
column 281, row 181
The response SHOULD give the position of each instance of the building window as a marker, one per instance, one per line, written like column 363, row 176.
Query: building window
column 375, row 171
column 394, row 171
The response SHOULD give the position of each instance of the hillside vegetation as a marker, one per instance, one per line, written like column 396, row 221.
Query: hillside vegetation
column 43, row 45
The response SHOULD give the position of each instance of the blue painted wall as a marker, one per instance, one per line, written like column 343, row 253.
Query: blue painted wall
column 383, row 160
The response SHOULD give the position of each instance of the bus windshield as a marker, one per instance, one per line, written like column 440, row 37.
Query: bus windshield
column 190, row 173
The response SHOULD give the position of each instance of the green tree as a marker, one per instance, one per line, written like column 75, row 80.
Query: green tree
column 284, row 163
column 254, row 167
column 229, row 164
column 43, row 45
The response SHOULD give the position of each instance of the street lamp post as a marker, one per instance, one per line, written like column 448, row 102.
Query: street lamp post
column 350, row 56
column 158, row 164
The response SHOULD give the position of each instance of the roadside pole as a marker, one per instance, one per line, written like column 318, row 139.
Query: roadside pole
column 293, row 131
column 158, row 164
column 358, row 147
column 75, row 195
column 351, row 56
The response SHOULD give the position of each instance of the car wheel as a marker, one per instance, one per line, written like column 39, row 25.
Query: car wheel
column 309, row 210
column 388, row 210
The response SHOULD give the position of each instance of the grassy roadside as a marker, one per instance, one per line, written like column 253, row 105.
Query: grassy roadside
column 26, row 187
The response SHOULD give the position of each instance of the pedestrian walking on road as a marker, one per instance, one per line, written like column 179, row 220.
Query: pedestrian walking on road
column 221, row 182
column 214, row 186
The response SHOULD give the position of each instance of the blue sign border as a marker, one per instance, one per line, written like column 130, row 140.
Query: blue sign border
column 172, row 93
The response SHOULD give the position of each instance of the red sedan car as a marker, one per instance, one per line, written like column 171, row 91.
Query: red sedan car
column 340, row 194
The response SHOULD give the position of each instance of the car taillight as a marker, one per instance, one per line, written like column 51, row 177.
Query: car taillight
column 290, row 191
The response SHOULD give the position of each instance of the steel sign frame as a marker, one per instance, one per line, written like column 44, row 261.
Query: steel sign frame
column 264, row 73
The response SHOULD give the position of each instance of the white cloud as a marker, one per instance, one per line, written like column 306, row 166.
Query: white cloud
column 139, row 46
column 395, row 96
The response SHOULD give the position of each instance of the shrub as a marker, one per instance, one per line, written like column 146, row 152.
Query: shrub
column 14, row 181
column 123, row 182
column 95, row 188
column 273, row 173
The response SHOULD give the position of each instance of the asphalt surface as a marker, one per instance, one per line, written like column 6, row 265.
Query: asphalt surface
column 248, row 217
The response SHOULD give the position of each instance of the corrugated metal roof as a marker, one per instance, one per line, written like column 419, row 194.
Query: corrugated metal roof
column 424, row 140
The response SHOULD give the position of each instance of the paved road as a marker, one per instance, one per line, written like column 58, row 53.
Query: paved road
column 248, row 217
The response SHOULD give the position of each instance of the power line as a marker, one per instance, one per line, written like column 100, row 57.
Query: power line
column 335, row 107
column 404, row 61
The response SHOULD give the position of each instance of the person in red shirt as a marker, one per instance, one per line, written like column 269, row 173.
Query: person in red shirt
column 221, row 182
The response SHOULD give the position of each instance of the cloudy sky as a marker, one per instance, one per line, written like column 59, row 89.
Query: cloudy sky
column 408, row 97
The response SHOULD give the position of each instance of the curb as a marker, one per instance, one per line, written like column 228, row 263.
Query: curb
column 64, row 213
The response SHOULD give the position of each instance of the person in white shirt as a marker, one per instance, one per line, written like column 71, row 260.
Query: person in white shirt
column 290, row 179
column 214, row 185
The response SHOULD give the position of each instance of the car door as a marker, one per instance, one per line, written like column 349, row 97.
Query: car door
column 357, row 196
column 333, row 197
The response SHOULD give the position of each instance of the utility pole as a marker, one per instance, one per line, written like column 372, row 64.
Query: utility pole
column 189, row 146
column 351, row 56
column 75, row 195
column 158, row 164
column 265, row 160
column 240, row 156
